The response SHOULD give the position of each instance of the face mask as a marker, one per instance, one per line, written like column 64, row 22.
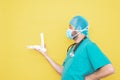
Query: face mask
column 69, row 34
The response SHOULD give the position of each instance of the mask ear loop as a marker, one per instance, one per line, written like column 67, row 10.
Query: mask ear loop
column 81, row 30
column 76, row 34
column 85, row 29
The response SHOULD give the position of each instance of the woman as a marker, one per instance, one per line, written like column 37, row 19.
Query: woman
column 84, row 60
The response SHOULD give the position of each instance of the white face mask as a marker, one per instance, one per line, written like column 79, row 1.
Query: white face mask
column 69, row 34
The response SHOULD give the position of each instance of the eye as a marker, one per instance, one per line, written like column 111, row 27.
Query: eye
column 70, row 27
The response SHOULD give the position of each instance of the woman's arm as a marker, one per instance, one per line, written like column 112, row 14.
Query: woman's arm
column 55, row 65
column 101, row 73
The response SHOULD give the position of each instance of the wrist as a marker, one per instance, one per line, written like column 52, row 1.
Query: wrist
column 45, row 54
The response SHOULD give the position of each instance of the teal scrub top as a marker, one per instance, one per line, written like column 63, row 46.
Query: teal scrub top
column 88, row 58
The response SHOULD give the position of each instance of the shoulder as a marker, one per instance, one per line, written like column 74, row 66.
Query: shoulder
column 92, row 45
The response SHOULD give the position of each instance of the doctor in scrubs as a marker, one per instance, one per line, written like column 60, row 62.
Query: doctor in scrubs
column 84, row 59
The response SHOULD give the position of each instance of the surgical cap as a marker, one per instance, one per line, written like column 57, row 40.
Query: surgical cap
column 79, row 23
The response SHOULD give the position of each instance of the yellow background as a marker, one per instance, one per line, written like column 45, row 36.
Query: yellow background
column 21, row 21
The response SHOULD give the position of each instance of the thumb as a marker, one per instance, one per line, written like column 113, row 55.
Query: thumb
column 44, row 45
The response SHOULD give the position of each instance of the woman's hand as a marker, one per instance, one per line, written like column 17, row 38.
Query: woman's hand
column 38, row 48
column 41, row 50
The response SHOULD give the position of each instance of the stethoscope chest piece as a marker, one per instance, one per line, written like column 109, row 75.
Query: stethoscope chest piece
column 72, row 54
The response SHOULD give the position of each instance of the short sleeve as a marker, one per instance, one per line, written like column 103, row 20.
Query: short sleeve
column 96, row 56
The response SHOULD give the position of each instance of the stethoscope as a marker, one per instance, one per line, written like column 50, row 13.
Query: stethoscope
column 74, row 46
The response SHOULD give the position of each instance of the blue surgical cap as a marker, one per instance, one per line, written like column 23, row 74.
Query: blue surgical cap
column 79, row 23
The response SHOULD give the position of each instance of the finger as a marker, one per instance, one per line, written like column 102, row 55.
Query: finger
column 37, row 50
column 45, row 45
column 42, row 39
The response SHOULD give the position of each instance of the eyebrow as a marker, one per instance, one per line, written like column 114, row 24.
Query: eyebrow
column 70, row 26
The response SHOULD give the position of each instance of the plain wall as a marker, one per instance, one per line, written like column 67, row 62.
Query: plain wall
column 21, row 22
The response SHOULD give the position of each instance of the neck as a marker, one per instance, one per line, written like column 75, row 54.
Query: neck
column 79, row 38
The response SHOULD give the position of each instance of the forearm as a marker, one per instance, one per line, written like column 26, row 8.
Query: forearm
column 97, row 75
column 55, row 65
column 101, row 73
